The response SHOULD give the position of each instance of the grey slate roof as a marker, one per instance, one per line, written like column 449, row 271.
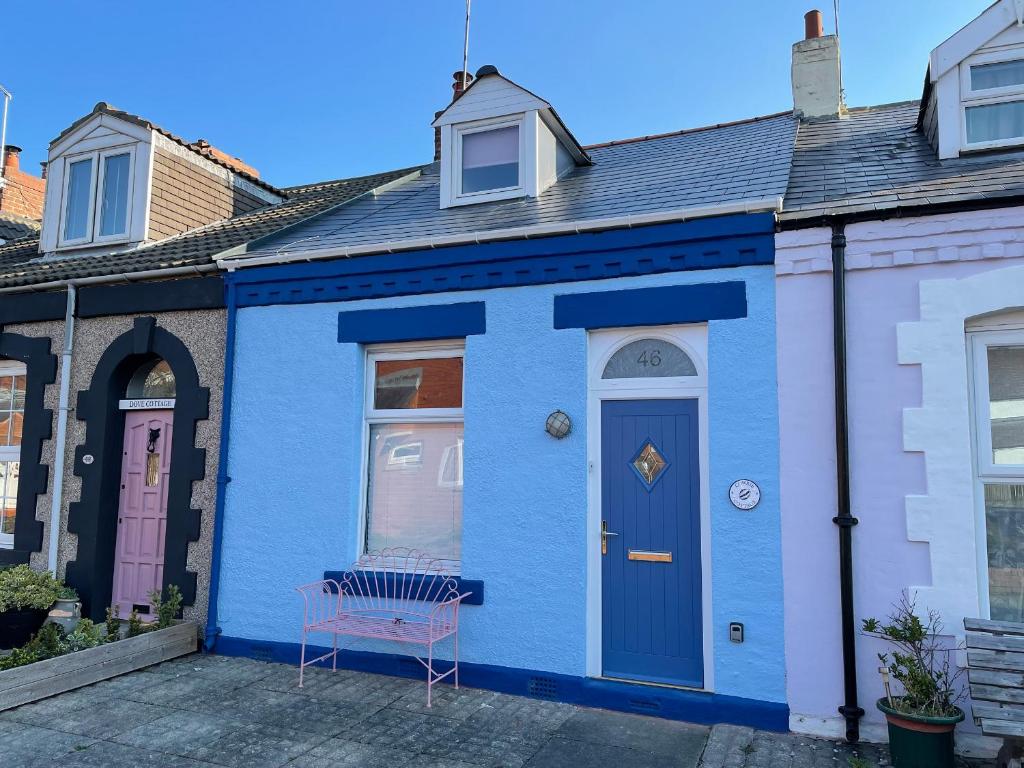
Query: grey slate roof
column 14, row 227
column 721, row 164
column 21, row 263
column 877, row 159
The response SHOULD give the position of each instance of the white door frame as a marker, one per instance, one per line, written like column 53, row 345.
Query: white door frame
column 601, row 345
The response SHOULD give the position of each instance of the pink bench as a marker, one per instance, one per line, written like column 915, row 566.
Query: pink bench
column 396, row 594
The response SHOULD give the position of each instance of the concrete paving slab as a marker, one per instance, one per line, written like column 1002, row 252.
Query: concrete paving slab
column 560, row 753
column 29, row 746
column 257, row 746
column 665, row 738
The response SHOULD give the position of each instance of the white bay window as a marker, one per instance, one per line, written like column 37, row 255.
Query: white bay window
column 12, row 415
column 414, row 438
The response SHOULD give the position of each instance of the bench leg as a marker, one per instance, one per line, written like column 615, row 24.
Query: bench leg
column 456, row 661
column 302, row 657
column 334, row 660
column 430, row 670
column 1010, row 754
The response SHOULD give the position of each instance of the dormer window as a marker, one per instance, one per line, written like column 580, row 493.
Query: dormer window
column 498, row 141
column 97, row 192
column 992, row 92
column 490, row 159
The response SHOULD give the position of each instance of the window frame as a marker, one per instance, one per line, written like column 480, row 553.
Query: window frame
column 374, row 416
column 969, row 97
column 985, row 472
column 92, row 236
column 101, row 172
column 11, row 452
column 482, row 126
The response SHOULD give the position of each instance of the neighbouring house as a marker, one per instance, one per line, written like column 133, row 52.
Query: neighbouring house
column 396, row 359
column 913, row 214
column 112, row 338
column 21, row 194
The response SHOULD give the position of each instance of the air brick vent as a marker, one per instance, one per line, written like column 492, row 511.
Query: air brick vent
column 543, row 688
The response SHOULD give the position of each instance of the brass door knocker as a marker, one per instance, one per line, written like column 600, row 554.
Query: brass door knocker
column 152, row 459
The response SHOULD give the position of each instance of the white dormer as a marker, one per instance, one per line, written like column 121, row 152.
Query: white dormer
column 499, row 141
column 975, row 101
column 115, row 180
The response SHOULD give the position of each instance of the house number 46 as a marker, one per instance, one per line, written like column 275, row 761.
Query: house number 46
column 651, row 357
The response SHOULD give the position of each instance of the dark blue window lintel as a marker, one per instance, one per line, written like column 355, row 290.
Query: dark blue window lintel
column 666, row 305
column 440, row 321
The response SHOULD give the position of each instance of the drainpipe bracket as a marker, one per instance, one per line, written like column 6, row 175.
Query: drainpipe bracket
column 845, row 521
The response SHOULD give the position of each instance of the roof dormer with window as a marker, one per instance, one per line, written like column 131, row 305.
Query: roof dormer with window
column 974, row 95
column 499, row 141
column 115, row 180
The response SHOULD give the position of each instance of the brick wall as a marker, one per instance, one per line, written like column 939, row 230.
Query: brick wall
column 22, row 193
column 186, row 196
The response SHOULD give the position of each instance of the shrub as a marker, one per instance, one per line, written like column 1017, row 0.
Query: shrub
column 86, row 635
column 113, row 623
column 166, row 610
column 67, row 593
column 21, row 588
column 135, row 625
column 921, row 661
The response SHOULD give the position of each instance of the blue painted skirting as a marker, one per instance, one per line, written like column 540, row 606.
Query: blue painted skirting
column 672, row 704
column 412, row 584
column 713, row 243
column 652, row 306
column 444, row 321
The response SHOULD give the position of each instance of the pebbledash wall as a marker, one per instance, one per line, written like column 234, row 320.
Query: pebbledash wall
column 202, row 332
column 293, row 503
column 911, row 285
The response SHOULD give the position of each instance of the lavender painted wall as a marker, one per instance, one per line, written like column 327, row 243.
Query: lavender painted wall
column 887, row 263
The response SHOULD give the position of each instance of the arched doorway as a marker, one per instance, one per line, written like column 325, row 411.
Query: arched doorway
column 126, row 399
column 148, row 409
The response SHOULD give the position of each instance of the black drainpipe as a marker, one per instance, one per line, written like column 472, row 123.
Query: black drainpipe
column 845, row 519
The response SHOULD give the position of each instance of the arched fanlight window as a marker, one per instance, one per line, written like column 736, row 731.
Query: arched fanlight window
column 649, row 358
column 152, row 380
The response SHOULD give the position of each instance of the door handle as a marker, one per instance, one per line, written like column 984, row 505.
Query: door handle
column 605, row 533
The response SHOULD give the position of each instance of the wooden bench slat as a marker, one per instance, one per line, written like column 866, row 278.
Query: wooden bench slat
column 995, row 677
column 1002, row 728
column 996, row 693
column 995, row 642
column 983, row 711
column 988, row 625
column 1003, row 660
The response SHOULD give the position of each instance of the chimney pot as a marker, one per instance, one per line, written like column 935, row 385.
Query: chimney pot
column 42, row 169
column 11, row 162
column 458, row 86
column 813, row 25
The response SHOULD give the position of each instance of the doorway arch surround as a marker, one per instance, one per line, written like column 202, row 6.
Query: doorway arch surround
column 93, row 518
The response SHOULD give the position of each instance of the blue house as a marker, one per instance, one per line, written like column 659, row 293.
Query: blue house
column 551, row 366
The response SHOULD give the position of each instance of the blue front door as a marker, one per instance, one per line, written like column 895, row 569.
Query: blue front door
column 650, row 561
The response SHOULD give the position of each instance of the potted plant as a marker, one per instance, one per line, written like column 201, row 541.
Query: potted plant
column 922, row 717
column 25, row 599
column 66, row 612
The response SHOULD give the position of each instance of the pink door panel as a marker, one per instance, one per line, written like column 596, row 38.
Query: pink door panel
column 142, row 509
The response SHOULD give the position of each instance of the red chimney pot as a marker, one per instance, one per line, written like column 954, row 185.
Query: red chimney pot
column 813, row 25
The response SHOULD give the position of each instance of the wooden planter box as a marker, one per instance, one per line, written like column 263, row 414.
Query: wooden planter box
column 31, row 682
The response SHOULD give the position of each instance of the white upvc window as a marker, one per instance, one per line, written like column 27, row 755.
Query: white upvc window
column 992, row 100
column 96, row 198
column 998, row 392
column 488, row 161
column 12, row 415
column 413, row 450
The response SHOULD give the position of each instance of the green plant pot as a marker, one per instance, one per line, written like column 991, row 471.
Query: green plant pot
column 916, row 741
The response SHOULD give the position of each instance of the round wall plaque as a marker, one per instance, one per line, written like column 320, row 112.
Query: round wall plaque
column 744, row 494
column 87, row 459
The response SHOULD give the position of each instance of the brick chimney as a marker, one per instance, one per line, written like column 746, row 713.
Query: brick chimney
column 22, row 193
column 817, row 75
column 458, row 88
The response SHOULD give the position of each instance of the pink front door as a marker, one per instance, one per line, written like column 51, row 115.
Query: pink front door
column 142, row 510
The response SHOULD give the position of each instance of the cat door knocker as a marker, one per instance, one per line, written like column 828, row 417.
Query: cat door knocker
column 152, row 459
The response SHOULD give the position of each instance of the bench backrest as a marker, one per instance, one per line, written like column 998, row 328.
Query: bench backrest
column 396, row 580
column 995, row 671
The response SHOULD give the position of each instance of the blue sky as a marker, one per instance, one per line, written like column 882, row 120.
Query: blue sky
column 308, row 90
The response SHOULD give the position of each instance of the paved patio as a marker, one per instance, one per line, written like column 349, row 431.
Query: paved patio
column 221, row 711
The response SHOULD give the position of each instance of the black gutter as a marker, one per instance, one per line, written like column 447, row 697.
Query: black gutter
column 823, row 219
column 850, row 710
